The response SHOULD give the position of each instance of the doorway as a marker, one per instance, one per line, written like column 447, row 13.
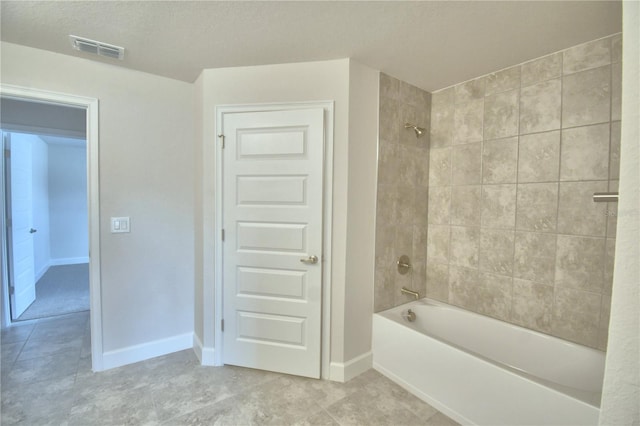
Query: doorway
column 51, row 125
column 47, row 217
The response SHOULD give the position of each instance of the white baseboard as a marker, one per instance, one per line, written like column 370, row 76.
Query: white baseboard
column 68, row 261
column 343, row 372
column 42, row 271
column 141, row 352
column 205, row 355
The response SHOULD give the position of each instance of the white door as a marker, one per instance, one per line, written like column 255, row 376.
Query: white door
column 272, row 219
column 20, row 231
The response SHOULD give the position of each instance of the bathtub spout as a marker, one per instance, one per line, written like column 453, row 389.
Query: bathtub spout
column 415, row 294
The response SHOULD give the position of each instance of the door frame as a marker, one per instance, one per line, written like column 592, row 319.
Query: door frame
column 327, row 208
column 93, row 196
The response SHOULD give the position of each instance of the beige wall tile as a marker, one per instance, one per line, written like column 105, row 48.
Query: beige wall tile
column 611, row 211
column 389, row 121
column 405, row 205
column 385, row 237
column 384, row 284
column 439, row 205
column 407, row 167
column 545, row 68
column 409, row 114
column 466, row 163
column 389, row 87
column 605, row 315
column 421, row 206
column 403, row 241
column 469, row 90
column 419, row 249
column 616, row 91
column 501, row 114
column 502, row 81
column 464, row 246
column 537, row 207
column 494, row 295
column 585, row 153
column 614, row 154
column 586, row 56
column 577, row 213
column 499, row 161
column 386, row 205
column 467, row 121
column 539, row 157
column 532, row 305
column 540, row 106
column 388, row 163
column 438, row 243
column 576, row 316
column 535, row 257
column 496, row 251
column 586, row 97
column 442, row 110
column 463, row 287
column 420, row 162
column 465, row 205
column 616, row 48
column 609, row 260
column 580, row 263
column 414, row 96
column 418, row 278
column 438, row 281
column 440, row 167
column 499, row 206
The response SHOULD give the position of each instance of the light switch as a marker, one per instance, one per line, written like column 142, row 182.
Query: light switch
column 119, row 225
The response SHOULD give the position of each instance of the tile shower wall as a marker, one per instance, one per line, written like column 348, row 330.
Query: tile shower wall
column 403, row 171
column 515, row 157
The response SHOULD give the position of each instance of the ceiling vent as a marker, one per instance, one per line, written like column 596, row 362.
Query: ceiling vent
column 97, row 47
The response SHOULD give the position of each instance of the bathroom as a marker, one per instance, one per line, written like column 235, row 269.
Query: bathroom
column 485, row 200
column 470, row 201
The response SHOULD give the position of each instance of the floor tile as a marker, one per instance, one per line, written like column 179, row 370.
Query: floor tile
column 47, row 379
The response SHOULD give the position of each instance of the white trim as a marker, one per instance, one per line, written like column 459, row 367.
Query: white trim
column 42, row 271
column 93, row 196
column 144, row 351
column 343, row 372
column 60, row 262
column 4, row 294
column 328, row 107
column 205, row 355
column 68, row 261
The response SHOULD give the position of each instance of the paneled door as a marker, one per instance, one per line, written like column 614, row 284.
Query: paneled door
column 22, row 283
column 272, row 249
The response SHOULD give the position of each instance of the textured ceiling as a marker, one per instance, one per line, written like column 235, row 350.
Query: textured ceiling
column 430, row 44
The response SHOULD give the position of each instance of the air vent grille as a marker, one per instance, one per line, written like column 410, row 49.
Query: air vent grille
column 97, row 47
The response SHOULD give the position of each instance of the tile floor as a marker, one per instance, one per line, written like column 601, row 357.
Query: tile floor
column 47, row 380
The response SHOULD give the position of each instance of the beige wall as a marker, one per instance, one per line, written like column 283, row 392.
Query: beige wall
column 621, row 392
column 403, row 169
column 515, row 158
column 363, row 145
column 146, row 172
column 313, row 81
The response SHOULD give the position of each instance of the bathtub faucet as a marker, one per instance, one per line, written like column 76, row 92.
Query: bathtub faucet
column 415, row 294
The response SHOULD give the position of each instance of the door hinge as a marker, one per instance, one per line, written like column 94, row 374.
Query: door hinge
column 221, row 136
column 222, row 325
column 223, row 235
column 7, row 153
column 12, row 290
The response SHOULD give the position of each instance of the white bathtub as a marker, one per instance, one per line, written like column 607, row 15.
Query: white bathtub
column 482, row 371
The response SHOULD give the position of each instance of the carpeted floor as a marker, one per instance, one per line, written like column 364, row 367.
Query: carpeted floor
column 61, row 290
